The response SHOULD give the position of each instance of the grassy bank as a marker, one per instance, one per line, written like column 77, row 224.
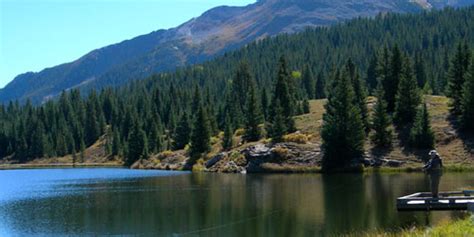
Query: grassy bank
column 456, row 150
column 453, row 228
column 413, row 169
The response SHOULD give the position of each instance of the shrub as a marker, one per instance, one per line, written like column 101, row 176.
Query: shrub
column 214, row 140
column 299, row 138
column 165, row 154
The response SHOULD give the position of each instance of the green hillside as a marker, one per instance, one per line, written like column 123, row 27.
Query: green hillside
column 149, row 116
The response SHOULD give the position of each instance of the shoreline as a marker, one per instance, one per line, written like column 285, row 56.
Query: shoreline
column 273, row 169
column 59, row 165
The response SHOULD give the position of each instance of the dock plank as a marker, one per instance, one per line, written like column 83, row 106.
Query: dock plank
column 446, row 201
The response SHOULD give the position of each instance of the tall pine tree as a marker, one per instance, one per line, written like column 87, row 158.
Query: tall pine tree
column 382, row 136
column 308, row 82
column 420, row 71
column 408, row 96
column 467, row 102
column 320, row 91
column 282, row 93
column 253, row 117
column 137, row 145
column 92, row 126
column 392, row 80
column 421, row 135
column 228, row 139
column 372, row 73
column 456, row 76
column 182, row 133
column 200, row 136
column 277, row 127
column 342, row 131
column 360, row 93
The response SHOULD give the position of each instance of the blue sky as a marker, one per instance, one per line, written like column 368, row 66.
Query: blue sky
column 36, row 34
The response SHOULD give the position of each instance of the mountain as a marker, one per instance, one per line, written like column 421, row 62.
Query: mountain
column 216, row 31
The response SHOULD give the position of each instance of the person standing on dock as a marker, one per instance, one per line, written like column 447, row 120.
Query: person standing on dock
column 434, row 169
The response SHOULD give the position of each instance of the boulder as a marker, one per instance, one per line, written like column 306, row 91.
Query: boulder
column 258, row 151
column 376, row 162
column 215, row 159
column 232, row 167
column 256, row 156
column 394, row 163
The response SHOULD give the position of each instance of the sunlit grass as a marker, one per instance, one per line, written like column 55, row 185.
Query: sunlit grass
column 452, row 228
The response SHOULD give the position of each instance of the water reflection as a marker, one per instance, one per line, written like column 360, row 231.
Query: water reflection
column 219, row 204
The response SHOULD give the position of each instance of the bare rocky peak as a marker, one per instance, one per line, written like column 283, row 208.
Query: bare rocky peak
column 214, row 32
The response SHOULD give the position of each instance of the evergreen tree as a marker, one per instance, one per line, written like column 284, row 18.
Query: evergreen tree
column 392, row 82
column 200, row 136
column 381, row 121
column 360, row 93
column 137, row 145
column 342, row 131
column 92, row 127
column 196, row 100
column 172, row 120
column 299, row 108
column 74, row 157
column 283, row 94
column 181, row 135
column 241, row 84
column 421, row 135
column 320, row 87
column 21, row 153
column 408, row 96
column 108, row 141
column 213, row 126
column 239, row 92
column 308, row 82
column 277, row 127
column 61, row 146
column 420, row 71
column 306, row 106
column 265, row 103
column 456, row 77
column 155, row 142
column 82, row 151
column 227, row 141
column 383, row 71
column 372, row 73
column 38, row 142
column 116, row 144
column 467, row 102
column 253, row 116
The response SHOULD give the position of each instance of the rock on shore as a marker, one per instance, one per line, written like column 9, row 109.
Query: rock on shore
column 259, row 158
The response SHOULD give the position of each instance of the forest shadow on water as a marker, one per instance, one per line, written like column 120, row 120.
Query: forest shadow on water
column 204, row 204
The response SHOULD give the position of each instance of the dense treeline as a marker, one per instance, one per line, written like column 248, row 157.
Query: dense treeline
column 258, row 90
column 344, row 128
column 149, row 119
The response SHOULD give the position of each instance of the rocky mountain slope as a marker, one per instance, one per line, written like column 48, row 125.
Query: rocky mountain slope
column 216, row 31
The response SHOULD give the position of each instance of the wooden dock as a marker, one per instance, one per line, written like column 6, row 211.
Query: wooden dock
column 446, row 201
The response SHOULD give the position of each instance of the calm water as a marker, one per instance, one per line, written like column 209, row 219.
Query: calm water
column 122, row 201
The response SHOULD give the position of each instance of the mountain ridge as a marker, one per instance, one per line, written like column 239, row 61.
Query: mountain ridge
column 215, row 32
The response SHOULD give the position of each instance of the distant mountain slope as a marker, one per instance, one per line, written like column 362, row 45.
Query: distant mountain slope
column 216, row 31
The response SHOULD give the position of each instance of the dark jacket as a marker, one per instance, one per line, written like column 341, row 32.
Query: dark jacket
column 433, row 164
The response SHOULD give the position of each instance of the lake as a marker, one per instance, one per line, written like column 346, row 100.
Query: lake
column 160, row 203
